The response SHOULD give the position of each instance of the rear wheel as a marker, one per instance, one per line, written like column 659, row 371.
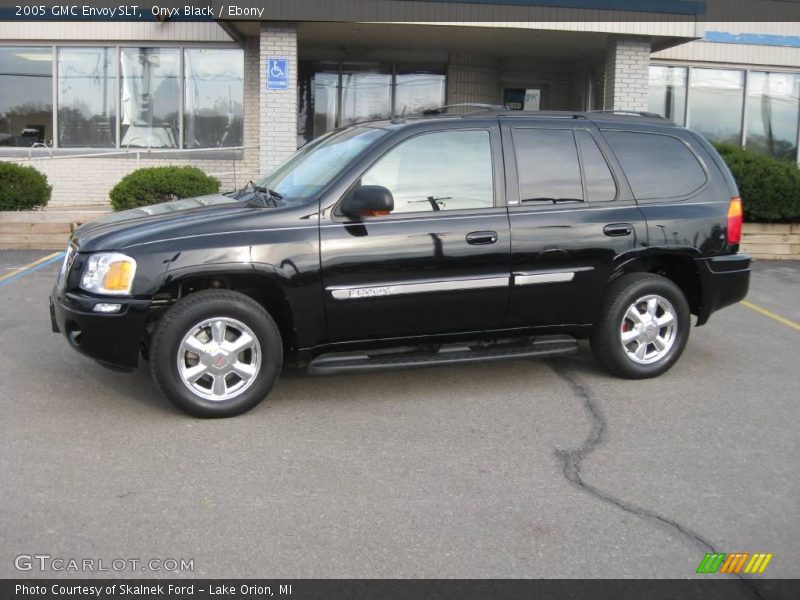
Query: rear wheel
column 643, row 326
column 216, row 353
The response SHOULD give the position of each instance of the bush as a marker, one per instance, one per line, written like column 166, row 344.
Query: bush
column 22, row 188
column 161, row 184
column 770, row 188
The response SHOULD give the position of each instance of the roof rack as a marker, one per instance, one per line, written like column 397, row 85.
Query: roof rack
column 442, row 109
column 630, row 113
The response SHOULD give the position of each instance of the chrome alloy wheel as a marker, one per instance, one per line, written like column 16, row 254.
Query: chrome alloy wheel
column 649, row 329
column 219, row 358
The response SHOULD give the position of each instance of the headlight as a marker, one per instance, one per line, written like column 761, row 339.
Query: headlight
column 109, row 273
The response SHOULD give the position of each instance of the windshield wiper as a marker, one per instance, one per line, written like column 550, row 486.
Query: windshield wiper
column 263, row 190
column 252, row 190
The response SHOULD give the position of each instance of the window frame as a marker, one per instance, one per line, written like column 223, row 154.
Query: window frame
column 586, row 203
column 604, row 156
column 337, row 216
column 56, row 150
column 666, row 199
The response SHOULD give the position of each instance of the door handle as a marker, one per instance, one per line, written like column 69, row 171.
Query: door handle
column 618, row 229
column 482, row 238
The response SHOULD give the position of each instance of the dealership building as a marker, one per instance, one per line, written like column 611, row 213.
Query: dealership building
column 88, row 102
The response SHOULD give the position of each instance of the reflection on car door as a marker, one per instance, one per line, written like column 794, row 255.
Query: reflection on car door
column 439, row 263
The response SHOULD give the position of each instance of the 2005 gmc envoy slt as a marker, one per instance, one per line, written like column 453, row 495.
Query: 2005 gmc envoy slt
column 442, row 238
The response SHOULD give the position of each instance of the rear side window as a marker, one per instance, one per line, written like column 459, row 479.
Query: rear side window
column 600, row 183
column 547, row 165
column 657, row 166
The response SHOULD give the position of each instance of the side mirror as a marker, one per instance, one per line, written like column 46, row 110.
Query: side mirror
column 368, row 201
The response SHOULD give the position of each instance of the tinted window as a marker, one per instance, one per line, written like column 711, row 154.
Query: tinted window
column 447, row 170
column 26, row 96
column 657, row 166
column 547, row 165
column 600, row 184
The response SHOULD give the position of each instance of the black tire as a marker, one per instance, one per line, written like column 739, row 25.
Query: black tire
column 607, row 345
column 182, row 318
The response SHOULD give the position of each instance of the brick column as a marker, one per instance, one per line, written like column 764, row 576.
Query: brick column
column 278, row 108
column 627, row 73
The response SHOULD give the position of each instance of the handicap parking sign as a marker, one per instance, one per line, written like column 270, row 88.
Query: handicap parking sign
column 277, row 73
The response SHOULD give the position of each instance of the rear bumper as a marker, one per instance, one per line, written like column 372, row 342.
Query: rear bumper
column 724, row 281
column 112, row 339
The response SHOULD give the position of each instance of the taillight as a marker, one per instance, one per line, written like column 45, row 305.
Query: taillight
column 735, row 218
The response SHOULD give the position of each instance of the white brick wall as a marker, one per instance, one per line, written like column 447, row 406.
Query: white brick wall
column 278, row 108
column 626, row 84
column 473, row 78
column 87, row 181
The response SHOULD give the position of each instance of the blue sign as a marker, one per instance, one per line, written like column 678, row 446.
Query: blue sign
column 277, row 73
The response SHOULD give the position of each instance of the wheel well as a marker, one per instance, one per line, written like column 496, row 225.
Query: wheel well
column 258, row 287
column 681, row 270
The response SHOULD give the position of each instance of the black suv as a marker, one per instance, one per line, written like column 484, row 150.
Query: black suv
column 427, row 240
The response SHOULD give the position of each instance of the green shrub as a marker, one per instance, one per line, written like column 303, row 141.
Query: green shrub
column 770, row 188
column 161, row 184
column 22, row 188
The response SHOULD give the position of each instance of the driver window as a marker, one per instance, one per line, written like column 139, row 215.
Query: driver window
column 446, row 170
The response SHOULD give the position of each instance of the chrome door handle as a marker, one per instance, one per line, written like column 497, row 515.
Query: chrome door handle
column 618, row 229
column 482, row 238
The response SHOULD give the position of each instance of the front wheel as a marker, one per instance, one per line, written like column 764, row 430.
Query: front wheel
column 216, row 353
column 643, row 326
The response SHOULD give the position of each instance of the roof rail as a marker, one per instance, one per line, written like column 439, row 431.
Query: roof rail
column 441, row 109
column 630, row 113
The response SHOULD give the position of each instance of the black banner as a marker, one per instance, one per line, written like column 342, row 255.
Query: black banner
column 399, row 589
column 403, row 10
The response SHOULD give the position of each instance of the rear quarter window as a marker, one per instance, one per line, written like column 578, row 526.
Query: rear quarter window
column 657, row 166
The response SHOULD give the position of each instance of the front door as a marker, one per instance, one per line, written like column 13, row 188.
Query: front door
column 572, row 221
column 439, row 262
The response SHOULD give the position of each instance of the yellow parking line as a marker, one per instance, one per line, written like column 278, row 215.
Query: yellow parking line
column 29, row 266
column 768, row 313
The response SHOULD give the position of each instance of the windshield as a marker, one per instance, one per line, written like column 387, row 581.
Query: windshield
column 315, row 165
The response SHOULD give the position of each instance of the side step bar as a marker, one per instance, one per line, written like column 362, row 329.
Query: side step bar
column 444, row 354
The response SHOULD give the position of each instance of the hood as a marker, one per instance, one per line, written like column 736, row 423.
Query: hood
column 180, row 218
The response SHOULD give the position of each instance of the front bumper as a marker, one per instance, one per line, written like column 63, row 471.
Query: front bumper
column 724, row 280
column 112, row 339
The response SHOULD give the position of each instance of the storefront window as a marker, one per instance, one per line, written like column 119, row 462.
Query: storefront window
column 332, row 95
column 150, row 97
column 668, row 92
column 418, row 89
column 87, row 97
column 366, row 94
column 716, row 101
column 773, row 107
column 214, row 98
column 26, row 96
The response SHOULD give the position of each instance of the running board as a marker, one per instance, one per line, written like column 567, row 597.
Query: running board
column 444, row 354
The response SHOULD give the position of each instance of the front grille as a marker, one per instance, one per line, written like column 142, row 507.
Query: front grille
column 69, row 258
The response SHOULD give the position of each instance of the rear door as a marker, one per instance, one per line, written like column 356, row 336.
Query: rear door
column 572, row 219
column 439, row 263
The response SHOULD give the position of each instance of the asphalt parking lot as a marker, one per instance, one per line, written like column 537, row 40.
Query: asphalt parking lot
column 516, row 469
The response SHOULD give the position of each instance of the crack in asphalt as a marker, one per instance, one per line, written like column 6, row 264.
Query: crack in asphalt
column 572, row 462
